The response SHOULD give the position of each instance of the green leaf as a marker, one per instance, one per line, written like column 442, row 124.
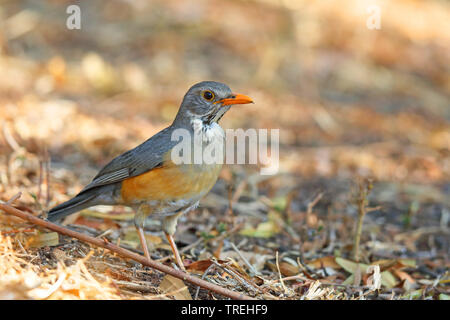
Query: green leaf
column 279, row 203
column 221, row 227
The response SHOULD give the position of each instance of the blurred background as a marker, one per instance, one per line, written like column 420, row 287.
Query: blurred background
column 352, row 103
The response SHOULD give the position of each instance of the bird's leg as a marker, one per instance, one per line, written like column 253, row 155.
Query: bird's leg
column 169, row 227
column 175, row 251
column 139, row 221
column 141, row 234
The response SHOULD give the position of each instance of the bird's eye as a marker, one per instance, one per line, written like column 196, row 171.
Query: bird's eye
column 208, row 95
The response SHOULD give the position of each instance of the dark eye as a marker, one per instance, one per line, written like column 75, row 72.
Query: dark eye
column 208, row 95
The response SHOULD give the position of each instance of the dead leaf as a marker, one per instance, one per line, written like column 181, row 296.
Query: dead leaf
column 288, row 270
column 44, row 239
column 201, row 265
column 388, row 280
column 349, row 280
column 265, row 229
column 395, row 263
column 408, row 281
column 103, row 215
column 351, row 266
column 131, row 238
column 175, row 287
column 324, row 262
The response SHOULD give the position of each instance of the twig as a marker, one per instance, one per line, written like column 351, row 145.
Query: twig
column 41, row 174
column 246, row 284
column 14, row 198
column 362, row 202
column 240, row 188
column 249, row 265
column 9, row 138
column 203, row 277
column 279, row 272
column 124, row 253
column 47, row 176
column 296, row 277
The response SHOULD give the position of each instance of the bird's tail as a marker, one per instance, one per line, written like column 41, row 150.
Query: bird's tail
column 77, row 203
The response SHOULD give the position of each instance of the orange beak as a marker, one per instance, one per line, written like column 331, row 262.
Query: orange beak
column 235, row 99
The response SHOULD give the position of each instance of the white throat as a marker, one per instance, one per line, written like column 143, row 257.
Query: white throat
column 210, row 132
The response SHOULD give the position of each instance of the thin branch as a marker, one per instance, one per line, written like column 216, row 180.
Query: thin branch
column 279, row 272
column 14, row 198
column 125, row 253
column 249, row 265
column 361, row 201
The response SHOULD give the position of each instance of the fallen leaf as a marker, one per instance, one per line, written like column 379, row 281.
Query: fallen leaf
column 402, row 275
column 385, row 263
column 263, row 230
column 349, row 280
column 324, row 262
column 388, row 280
column 131, row 238
column 288, row 270
column 406, row 263
column 351, row 266
column 44, row 239
column 103, row 215
column 175, row 287
column 201, row 265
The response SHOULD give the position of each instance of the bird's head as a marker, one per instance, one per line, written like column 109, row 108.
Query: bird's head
column 208, row 101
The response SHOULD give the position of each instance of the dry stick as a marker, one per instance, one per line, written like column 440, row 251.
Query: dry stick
column 362, row 202
column 249, row 265
column 125, row 253
column 14, row 198
column 41, row 175
column 47, row 176
column 279, row 272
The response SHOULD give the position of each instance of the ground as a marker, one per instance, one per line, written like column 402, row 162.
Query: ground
column 364, row 132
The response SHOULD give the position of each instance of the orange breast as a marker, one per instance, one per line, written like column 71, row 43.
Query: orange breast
column 170, row 182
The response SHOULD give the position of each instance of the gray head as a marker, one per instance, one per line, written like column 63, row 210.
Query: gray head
column 208, row 101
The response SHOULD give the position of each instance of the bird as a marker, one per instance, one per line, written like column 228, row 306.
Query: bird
column 149, row 180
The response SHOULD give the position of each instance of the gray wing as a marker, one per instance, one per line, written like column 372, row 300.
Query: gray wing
column 143, row 158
